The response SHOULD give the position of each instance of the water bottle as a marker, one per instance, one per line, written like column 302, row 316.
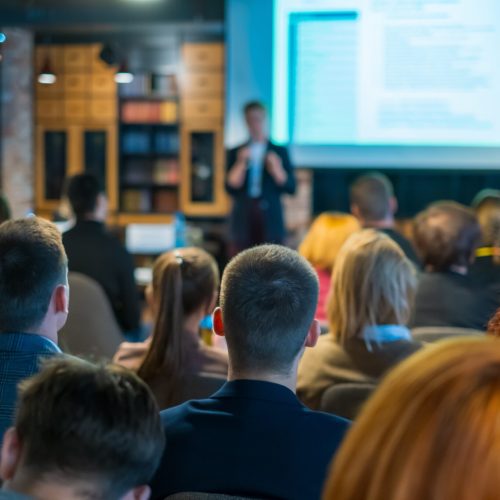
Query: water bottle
column 180, row 230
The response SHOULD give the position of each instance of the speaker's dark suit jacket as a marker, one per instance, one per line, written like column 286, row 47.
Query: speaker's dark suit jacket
column 270, row 200
column 250, row 438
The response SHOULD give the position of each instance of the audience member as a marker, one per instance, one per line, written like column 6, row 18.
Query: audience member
column 5, row 213
column 373, row 285
column 430, row 431
column 253, row 437
column 320, row 247
column 486, row 267
column 184, row 290
column 374, row 204
column 83, row 432
column 446, row 236
column 494, row 324
column 93, row 251
column 259, row 172
column 34, row 300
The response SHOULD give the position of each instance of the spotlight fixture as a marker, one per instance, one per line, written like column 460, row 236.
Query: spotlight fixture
column 47, row 75
column 3, row 37
column 123, row 75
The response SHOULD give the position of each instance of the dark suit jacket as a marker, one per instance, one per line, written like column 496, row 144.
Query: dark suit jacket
column 20, row 355
column 450, row 299
column 251, row 439
column 274, row 230
column 405, row 245
column 93, row 251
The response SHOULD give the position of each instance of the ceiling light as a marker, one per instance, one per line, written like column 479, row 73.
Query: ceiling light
column 123, row 75
column 47, row 75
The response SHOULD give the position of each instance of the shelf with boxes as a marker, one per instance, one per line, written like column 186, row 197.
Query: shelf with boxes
column 156, row 143
column 149, row 145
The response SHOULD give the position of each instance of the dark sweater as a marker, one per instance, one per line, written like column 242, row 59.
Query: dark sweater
column 451, row 299
column 93, row 251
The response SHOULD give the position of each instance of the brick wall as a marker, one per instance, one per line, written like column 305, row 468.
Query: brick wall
column 16, row 93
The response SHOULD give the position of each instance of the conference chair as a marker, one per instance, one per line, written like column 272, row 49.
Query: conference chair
column 345, row 400
column 429, row 334
column 91, row 330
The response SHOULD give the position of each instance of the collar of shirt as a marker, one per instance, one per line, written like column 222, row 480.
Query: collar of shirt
column 27, row 342
column 257, row 389
column 382, row 334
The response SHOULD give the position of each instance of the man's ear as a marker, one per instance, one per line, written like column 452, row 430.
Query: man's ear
column 139, row 493
column 355, row 210
column 60, row 304
column 11, row 454
column 218, row 324
column 313, row 334
column 393, row 204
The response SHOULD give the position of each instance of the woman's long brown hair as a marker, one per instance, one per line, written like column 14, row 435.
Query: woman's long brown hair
column 184, row 281
column 431, row 430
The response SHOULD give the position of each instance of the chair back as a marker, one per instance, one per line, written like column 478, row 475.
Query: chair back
column 345, row 400
column 207, row 496
column 91, row 330
column 429, row 334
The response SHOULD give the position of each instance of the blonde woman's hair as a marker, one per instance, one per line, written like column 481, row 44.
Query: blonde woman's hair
column 373, row 283
column 325, row 238
column 431, row 430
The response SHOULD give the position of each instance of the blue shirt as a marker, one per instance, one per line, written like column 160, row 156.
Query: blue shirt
column 251, row 438
column 19, row 359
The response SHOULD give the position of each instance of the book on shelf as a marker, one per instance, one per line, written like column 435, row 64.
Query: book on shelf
column 165, row 201
column 136, row 200
column 136, row 142
column 149, row 112
column 137, row 171
column 166, row 171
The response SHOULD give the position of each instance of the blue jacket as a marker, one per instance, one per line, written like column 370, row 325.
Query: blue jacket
column 250, row 438
column 270, row 200
column 19, row 359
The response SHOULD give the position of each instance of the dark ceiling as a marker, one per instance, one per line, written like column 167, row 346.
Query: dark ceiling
column 50, row 14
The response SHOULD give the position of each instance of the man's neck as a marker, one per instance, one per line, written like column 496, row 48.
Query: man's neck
column 258, row 138
column 287, row 380
column 387, row 223
column 49, row 491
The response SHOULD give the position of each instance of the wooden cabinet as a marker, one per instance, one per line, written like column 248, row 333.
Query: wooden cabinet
column 75, row 122
column 202, row 144
column 202, row 173
column 171, row 155
column 66, row 150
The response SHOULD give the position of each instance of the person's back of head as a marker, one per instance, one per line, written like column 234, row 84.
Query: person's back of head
column 33, row 277
column 372, row 199
column 185, row 283
column 486, row 204
column 325, row 238
column 430, row 431
column 5, row 213
column 268, row 299
column 86, row 197
column 373, row 283
column 83, row 432
column 446, row 235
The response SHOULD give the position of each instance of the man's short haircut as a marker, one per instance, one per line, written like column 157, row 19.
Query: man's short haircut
column 253, row 105
column 83, row 191
column 268, row 299
column 32, row 263
column 446, row 234
column 372, row 194
column 487, row 207
column 98, row 425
